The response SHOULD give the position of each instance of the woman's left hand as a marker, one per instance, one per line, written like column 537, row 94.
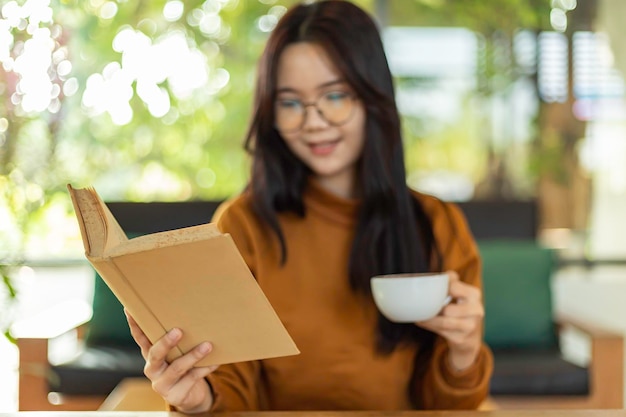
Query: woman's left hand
column 460, row 322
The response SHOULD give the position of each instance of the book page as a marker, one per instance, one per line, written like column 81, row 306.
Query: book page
column 164, row 239
column 115, row 234
column 92, row 227
column 98, row 227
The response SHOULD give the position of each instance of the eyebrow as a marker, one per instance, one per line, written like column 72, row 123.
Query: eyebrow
column 323, row 85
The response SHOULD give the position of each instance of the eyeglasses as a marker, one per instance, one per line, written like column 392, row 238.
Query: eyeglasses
column 335, row 107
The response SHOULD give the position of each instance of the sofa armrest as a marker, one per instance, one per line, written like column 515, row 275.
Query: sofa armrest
column 591, row 329
column 606, row 360
column 33, row 337
column 54, row 321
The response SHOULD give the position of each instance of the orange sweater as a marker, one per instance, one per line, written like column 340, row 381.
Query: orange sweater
column 334, row 328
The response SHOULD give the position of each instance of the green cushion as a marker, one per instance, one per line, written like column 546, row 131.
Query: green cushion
column 517, row 294
column 108, row 325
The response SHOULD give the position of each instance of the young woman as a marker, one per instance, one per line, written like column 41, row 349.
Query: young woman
column 326, row 209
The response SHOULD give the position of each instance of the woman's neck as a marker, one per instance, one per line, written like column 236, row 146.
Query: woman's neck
column 344, row 187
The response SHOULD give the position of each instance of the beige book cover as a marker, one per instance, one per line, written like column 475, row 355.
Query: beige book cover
column 192, row 278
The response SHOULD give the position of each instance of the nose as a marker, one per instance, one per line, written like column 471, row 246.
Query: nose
column 313, row 118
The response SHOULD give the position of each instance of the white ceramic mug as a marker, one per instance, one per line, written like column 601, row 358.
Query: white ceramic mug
column 407, row 298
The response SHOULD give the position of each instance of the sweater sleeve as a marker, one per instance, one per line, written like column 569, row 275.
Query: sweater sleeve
column 443, row 387
column 236, row 386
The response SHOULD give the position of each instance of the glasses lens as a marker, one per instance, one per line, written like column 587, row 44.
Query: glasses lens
column 289, row 114
column 336, row 106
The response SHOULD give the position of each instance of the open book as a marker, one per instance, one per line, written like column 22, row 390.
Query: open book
column 192, row 278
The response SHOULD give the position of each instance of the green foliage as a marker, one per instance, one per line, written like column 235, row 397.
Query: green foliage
column 470, row 145
column 485, row 17
column 8, row 299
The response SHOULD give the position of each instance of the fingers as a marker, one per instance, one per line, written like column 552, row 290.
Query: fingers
column 441, row 324
column 156, row 354
column 456, row 330
column 464, row 309
column 181, row 379
column 156, row 359
column 463, row 316
column 182, row 365
column 140, row 337
column 461, row 290
column 453, row 276
column 181, row 382
column 184, row 386
column 460, row 322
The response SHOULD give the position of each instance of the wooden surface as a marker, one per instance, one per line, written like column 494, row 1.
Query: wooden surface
column 134, row 394
column 492, row 413
column 33, row 386
column 495, row 413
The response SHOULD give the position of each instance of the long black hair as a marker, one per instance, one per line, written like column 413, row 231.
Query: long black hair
column 393, row 233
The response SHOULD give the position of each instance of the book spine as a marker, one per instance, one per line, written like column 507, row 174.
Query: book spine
column 132, row 301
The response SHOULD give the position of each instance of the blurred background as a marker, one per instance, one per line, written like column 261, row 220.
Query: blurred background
column 149, row 101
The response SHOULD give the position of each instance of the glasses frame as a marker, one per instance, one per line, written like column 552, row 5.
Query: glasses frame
column 306, row 105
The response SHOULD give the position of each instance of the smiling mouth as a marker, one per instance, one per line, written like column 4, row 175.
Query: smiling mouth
column 323, row 148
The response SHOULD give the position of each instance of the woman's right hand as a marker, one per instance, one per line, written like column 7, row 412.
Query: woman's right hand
column 180, row 383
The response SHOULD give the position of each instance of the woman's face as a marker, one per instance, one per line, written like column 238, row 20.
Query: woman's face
column 329, row 140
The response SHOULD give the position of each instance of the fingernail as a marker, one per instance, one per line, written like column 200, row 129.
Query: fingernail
column 204, row 347
column 173, row 334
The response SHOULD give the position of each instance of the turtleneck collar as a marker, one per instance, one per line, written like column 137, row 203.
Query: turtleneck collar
column 331, row 206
